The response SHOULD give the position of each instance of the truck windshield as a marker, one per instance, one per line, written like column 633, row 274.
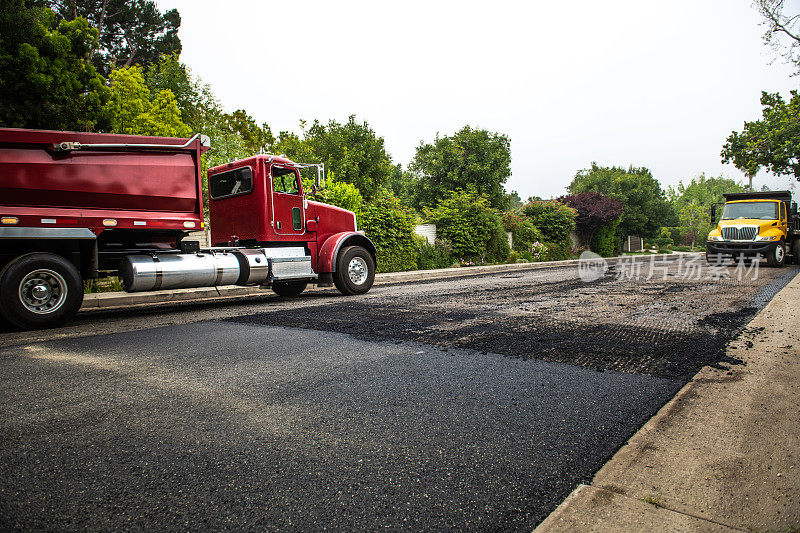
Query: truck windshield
column 760, row 210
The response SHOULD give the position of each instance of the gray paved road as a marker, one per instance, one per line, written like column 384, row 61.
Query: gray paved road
column 247, row 418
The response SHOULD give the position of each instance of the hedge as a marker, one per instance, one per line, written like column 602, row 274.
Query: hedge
column 390, row 225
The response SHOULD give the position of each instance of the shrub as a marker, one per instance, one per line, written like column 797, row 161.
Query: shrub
column 594, row 211
column 390, row 225
column 555, row 220
column 432, row 256
column 605, row 239
column 523, row 232
column 497, row 249
column 537, row 252
column 344, row 195
column 556, row 251
column 664, row 240
column 465, row 220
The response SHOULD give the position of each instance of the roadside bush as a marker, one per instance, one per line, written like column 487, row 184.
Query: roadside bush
column 605, row 239
column 523, row 232
column 390, row 225
column 595, row 210
column 344, row 195
column 536, row 253
column 664, row 240
column 497, row 249
column 557, row 251
column 432, row 256
column 556, row 221
column 465, row 220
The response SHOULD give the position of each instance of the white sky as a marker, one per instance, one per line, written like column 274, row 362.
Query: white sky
column 655, row 84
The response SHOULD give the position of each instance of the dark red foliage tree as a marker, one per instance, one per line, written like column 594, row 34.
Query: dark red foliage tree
column 594, row 210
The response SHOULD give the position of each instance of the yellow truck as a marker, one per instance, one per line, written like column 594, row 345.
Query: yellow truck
column 756, row 225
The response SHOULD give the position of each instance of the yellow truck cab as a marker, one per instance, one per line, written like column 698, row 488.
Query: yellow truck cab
column 756, row 225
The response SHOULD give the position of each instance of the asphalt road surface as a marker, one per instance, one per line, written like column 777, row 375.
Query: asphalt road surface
column 475, row 403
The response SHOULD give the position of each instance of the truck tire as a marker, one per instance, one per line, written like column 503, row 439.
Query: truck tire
column 40, row 290
column 777, row 256
column 289, row 288
column 796, row 251
column 355, row 271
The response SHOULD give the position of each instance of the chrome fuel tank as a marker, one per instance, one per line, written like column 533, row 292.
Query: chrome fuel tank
column 179, row 271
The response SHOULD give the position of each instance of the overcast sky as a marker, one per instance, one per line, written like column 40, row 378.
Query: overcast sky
column 655, row 84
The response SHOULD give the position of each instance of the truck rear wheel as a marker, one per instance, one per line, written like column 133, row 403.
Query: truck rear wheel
column 355, row 271
column 777, row 256
column 289, row 288
column 40, row 290
column 796, row 251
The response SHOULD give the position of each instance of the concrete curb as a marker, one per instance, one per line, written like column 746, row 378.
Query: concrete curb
column 714, row 457
column 116, row 300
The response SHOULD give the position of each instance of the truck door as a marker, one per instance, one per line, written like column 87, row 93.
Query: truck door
column 288, row 209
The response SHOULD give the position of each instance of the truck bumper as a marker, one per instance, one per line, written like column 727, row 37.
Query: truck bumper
column 739, row 249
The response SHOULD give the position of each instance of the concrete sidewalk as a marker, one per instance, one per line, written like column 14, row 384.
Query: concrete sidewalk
column 116, row 300
column 723, row 455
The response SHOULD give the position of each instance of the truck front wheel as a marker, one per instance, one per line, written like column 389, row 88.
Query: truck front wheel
column 777, row 256
column 355, row 271
column 40, row 290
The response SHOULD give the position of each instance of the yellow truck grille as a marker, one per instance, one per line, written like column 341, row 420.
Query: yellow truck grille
column 747, row 233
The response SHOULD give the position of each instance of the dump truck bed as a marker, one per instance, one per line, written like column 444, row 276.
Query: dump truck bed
column 48, row 180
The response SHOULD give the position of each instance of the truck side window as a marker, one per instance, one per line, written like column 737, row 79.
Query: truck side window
column 284, row 180
column 231, row 183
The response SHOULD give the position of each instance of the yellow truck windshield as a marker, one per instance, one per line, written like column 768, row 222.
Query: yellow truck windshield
column 760, row 210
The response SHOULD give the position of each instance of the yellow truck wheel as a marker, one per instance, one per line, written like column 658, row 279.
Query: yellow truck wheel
column 777, row 256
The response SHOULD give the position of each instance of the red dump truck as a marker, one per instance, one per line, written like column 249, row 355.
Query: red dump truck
column 76, row 206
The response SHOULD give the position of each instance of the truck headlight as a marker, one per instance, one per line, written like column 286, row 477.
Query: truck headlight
column 767, row 238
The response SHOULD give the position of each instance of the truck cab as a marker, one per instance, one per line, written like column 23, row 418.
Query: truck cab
column 755, row 225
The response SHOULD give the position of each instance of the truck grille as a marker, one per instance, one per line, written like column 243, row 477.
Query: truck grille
column 746, row 233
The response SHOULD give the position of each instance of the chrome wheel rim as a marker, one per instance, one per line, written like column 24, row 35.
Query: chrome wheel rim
column 779, row 253
column 43, row 291
column 357, row 270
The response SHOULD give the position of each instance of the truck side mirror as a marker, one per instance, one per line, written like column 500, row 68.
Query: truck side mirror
column 793, row 209
column 713, row 213
column 319, row 183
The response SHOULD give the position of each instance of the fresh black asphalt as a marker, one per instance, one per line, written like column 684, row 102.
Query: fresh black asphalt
column 222, row 425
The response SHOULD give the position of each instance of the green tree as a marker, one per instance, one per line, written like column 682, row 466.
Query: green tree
column 133, row 112
column 772, row 143
column 197, row 103
column 46, row 81
column 472, row 160
column 130, row 32
column 352, row 152
column 402, row 184
column 694, row 216
column 645, row 204
column 703, row 190
column 256, row 138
